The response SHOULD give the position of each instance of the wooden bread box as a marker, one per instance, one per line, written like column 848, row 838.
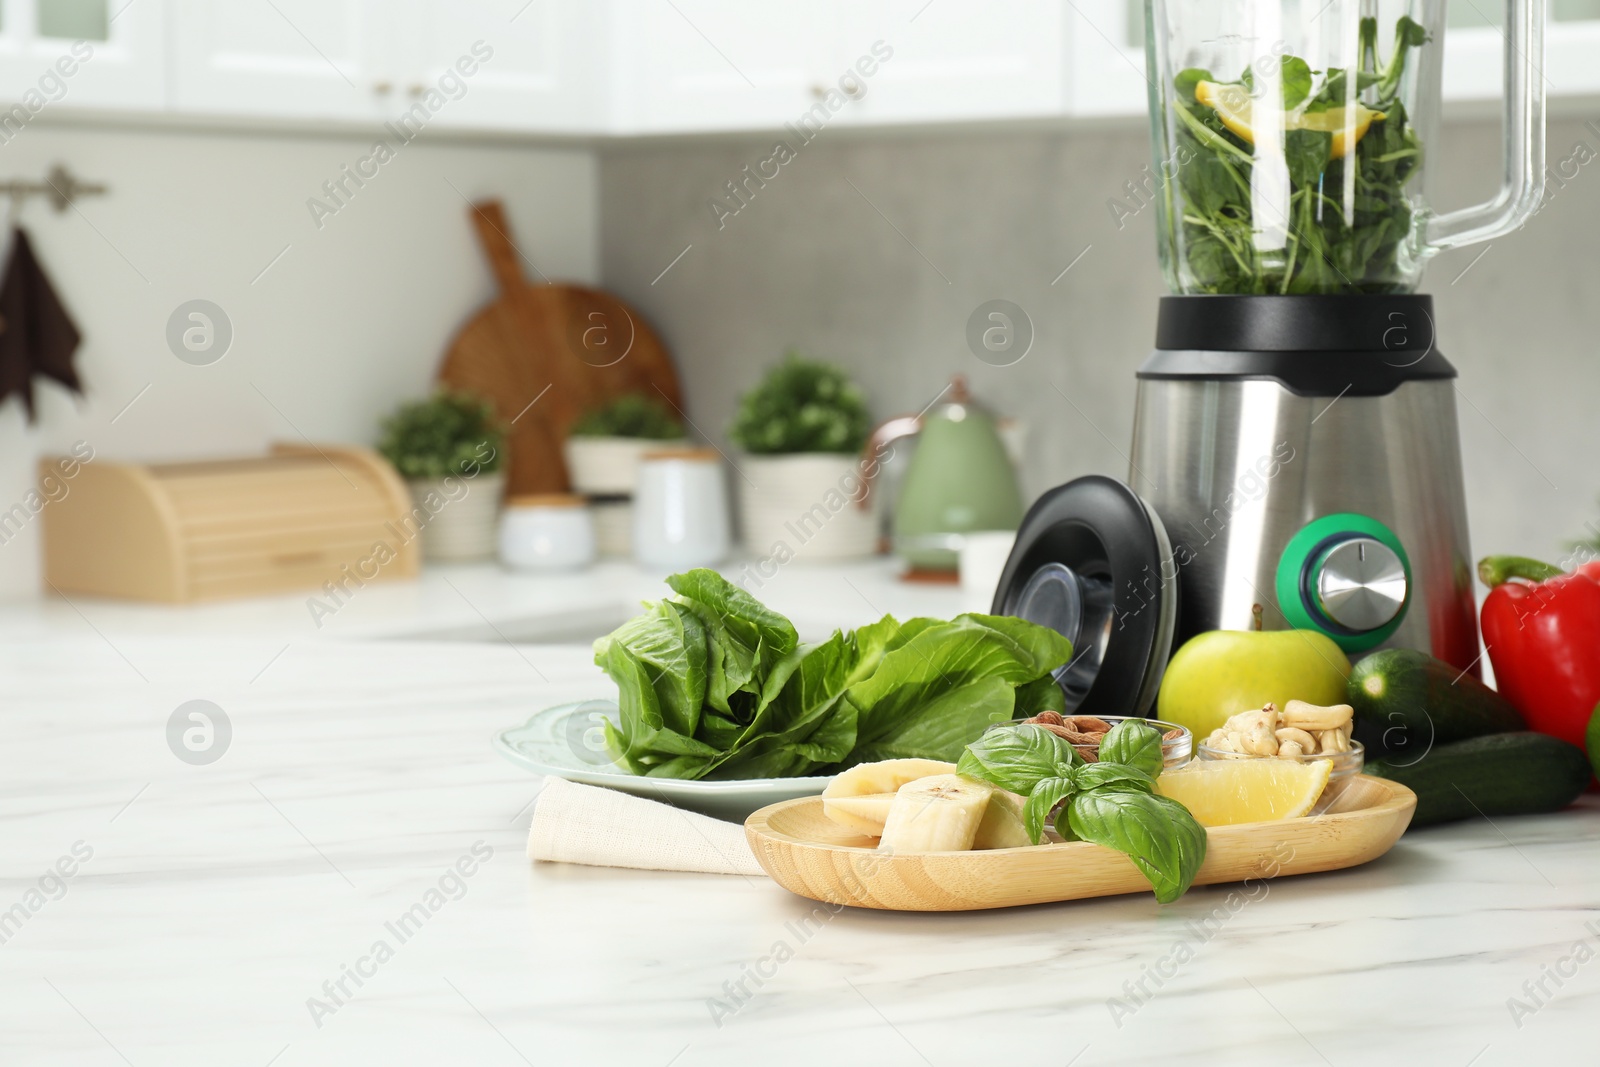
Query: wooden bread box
column 292, row 520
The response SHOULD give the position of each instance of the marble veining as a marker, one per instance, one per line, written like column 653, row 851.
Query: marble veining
column 221, row 903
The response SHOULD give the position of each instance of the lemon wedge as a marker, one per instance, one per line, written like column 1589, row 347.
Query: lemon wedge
column 1228, row 792
column 1234, row 108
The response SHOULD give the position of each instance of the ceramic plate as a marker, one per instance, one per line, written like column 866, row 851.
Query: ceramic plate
column 568, row 742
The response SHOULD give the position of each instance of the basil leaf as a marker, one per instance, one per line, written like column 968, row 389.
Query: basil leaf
column 1017, row 758
column 1135, row 743
column 1156, row 832
column 1117, row 777
column 1045, row 796
column 1064, row 824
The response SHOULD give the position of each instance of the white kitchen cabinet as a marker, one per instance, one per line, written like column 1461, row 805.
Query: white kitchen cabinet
column 954, row 62
column 114, row 51
column 488, row 64
column 546, row 69
column 698, row 65
column 625, row 67
column 325, row 59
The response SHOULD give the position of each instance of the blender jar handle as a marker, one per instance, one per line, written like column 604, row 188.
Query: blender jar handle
column 1524, row 139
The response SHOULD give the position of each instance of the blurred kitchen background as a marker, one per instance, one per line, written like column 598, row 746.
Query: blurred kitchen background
column 997, row 153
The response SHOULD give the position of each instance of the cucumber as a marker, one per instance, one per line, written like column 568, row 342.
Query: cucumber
column 1406, row 701
column 1519, row 773
column 1592, row 739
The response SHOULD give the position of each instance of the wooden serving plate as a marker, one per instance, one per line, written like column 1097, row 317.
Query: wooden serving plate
column 808, row 854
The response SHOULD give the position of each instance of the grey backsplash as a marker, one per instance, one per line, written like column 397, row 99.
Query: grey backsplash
column 874, row 250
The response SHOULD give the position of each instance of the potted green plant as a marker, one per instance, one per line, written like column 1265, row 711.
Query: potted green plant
column 603, row 451
column 451, row 451
column 802, row 430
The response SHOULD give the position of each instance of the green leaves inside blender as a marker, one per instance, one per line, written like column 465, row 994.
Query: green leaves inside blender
column 1339, row 240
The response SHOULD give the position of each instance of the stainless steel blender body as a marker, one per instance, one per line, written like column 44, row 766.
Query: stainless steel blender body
column 1307, row 488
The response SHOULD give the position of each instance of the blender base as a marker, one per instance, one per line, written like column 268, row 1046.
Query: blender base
column 1304, row 456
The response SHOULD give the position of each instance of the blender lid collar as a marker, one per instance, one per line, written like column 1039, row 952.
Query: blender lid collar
column 1311, row 345
column 1093, row 562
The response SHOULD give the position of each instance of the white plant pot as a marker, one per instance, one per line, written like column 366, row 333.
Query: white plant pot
column 804, row 507
column 458, row 516
column 605, row 466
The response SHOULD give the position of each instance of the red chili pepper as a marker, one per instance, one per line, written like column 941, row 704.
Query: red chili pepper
column 1541, row 628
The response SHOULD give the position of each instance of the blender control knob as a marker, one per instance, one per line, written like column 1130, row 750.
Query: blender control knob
column 1360, row 584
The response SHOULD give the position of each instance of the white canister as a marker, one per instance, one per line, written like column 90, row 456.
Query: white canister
column 680, row 509
column 809, row 503
column 546, row 533
column 983, row 558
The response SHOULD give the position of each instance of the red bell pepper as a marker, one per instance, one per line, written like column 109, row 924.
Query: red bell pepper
column 1541, row 628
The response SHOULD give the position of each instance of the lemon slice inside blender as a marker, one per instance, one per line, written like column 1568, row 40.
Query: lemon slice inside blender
column 1234, row 107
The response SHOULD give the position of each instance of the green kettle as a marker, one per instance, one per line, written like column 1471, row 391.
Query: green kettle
column 960, row 479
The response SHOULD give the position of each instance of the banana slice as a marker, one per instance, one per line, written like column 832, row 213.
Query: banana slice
column 940, row 813
column 885, row 776
column 863, row 814
column 1002, row 825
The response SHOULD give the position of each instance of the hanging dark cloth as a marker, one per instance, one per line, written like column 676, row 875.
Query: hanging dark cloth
column 37, row 336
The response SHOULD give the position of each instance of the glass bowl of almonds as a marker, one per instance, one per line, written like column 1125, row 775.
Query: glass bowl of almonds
column 1085, row 732
column 1300, row 731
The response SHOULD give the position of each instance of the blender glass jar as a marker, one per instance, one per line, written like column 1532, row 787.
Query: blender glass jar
column 1292, row 138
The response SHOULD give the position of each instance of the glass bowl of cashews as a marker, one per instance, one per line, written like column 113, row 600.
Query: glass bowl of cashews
column 1299, row 731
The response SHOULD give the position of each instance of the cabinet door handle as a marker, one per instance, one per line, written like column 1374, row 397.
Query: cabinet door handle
column 820, row 91
column 382, row 88
column 416, row 88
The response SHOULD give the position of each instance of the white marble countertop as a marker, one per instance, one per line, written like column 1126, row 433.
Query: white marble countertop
column 215, row 902
column 483, row 602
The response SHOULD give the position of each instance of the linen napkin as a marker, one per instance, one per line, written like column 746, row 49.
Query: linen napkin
column 575, row 823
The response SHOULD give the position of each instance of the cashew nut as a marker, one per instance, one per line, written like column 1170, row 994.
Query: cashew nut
column 1313, row 718
column 1259, row 739
column 1333, row 741
column 1290, row 749
column 1291, row 735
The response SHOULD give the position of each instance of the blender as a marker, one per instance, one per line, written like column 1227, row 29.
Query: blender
column 1296, row 458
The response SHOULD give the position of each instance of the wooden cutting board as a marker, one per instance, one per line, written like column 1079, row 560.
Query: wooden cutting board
column 544, row 354
column 809, row 854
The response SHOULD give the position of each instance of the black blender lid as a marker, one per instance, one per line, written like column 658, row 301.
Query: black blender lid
column 1093, row 562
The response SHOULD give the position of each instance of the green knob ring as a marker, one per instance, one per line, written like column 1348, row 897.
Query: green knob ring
column 1297, row 556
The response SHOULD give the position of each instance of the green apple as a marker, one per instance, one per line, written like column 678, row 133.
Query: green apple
column 1221, row 673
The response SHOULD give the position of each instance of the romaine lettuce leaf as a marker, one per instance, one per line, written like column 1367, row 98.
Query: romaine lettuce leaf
column 715, row 684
